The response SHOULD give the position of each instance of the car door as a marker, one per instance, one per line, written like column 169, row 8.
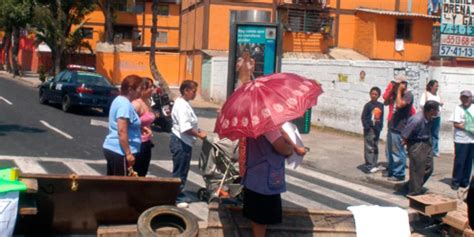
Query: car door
column 57, row 89
column 49, row 87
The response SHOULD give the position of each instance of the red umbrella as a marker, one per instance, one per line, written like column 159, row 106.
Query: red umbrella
column 265, row 104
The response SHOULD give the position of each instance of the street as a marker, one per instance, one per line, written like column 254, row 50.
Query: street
column 43, row 139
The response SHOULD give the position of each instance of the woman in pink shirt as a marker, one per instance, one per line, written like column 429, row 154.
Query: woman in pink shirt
column 143, row 107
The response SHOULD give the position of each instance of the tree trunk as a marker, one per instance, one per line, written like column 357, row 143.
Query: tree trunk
column 15, row 49
column 7, row 51
column 57, row 61
column 2, row 50
column 109, row 20
column 58, row 54
column 154, row 69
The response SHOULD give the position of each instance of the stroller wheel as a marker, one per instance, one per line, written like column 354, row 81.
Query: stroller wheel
column 203, row 195
column 215, row 199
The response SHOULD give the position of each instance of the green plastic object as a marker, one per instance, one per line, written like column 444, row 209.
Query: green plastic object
column 8, row 186
column 304, row 123
column 9, row 181
column 9, row 174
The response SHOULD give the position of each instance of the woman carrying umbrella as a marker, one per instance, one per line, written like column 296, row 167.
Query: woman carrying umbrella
column 256, row 112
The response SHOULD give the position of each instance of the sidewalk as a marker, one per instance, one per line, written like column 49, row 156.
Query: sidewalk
column 334, row 152
column 341, row 155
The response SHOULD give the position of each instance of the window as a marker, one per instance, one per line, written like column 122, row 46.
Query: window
column 300, row 20
column 163, row 10
column 404, row 29
column 162, row 37
column 133, row 6
column 87, row 32
column 124, row 32
column 66, row 78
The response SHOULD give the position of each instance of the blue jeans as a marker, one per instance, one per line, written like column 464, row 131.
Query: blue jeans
column 396, row 155
column 181, row 161
column 463, row 157
column 435, row 135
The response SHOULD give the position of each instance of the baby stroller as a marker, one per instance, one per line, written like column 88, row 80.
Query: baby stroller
column 219, row 165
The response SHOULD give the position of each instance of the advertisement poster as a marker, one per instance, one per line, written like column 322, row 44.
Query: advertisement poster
column 255, row 52
column 457, row 29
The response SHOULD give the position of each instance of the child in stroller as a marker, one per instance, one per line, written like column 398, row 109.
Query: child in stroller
column 218, row 163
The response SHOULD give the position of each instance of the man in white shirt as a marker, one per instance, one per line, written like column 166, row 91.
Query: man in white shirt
column 463, row 142
column 183, row 135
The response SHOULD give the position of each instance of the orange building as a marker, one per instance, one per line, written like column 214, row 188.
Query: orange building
column 133, row 23
column 205, row 28
column 386, row 30
column 132, row 26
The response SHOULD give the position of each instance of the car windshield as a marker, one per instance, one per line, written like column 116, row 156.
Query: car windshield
column 91, row 79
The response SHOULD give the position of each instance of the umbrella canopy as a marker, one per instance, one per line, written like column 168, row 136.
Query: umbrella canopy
column 265, row 104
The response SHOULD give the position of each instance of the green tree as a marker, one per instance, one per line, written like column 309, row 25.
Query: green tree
column 53, row 21
column 15, row 15
column 154, row 33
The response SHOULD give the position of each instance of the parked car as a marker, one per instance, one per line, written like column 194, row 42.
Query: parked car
column 78, row 86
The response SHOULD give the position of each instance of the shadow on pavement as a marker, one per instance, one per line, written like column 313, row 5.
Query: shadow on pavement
column 8, row 128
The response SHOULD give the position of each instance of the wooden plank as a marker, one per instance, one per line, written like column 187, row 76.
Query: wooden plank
column 26, row 211
column 468, row 233
column 457, row 219
column 432, row 204
column 117, row 231
column 27, row 204
column 224, row 221
column 31, row 184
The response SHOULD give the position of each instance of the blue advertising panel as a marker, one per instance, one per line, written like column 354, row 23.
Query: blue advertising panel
column 256, row 48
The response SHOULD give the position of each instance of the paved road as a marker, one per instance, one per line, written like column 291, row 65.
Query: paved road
column 43, row 139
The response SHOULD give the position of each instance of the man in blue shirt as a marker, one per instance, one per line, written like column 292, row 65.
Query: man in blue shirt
column 417, row 136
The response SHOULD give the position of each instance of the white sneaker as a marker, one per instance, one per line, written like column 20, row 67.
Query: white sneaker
column 182, row 205
column 374, row 170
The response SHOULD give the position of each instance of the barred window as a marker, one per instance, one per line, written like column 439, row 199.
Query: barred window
column 302, row 20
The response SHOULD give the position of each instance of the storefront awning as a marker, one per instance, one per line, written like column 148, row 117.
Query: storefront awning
column 395, row 13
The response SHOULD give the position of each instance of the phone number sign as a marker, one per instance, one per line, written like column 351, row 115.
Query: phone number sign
column 457, row 29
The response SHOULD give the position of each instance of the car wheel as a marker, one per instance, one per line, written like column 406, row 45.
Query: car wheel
column 42, row 98
column 66, row 104
column 105, row 111
column 167, row 221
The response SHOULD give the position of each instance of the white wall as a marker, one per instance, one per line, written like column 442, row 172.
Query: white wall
column 341, row 104
column 452, row 81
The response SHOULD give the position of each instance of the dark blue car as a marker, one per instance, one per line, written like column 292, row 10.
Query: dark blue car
column 78, row 86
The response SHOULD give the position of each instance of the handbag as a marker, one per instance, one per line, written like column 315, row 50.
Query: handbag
column 468, row 122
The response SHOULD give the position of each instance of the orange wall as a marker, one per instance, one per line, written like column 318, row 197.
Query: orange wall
column 191, row 29
column 219, row 24
column 417, row 49
column 347, row 26
column 118, row 65
column 169, row 24
column 302, row 42
column 364, row 35
column 375, row 38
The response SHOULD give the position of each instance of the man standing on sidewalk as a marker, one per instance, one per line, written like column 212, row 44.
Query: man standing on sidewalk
column 463, row 141
column 417, row 136
column 396, row 154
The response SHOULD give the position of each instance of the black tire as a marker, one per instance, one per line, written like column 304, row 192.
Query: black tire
column 66, row 104
column 42, row 99
column 167, row 221
column 105, row 111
